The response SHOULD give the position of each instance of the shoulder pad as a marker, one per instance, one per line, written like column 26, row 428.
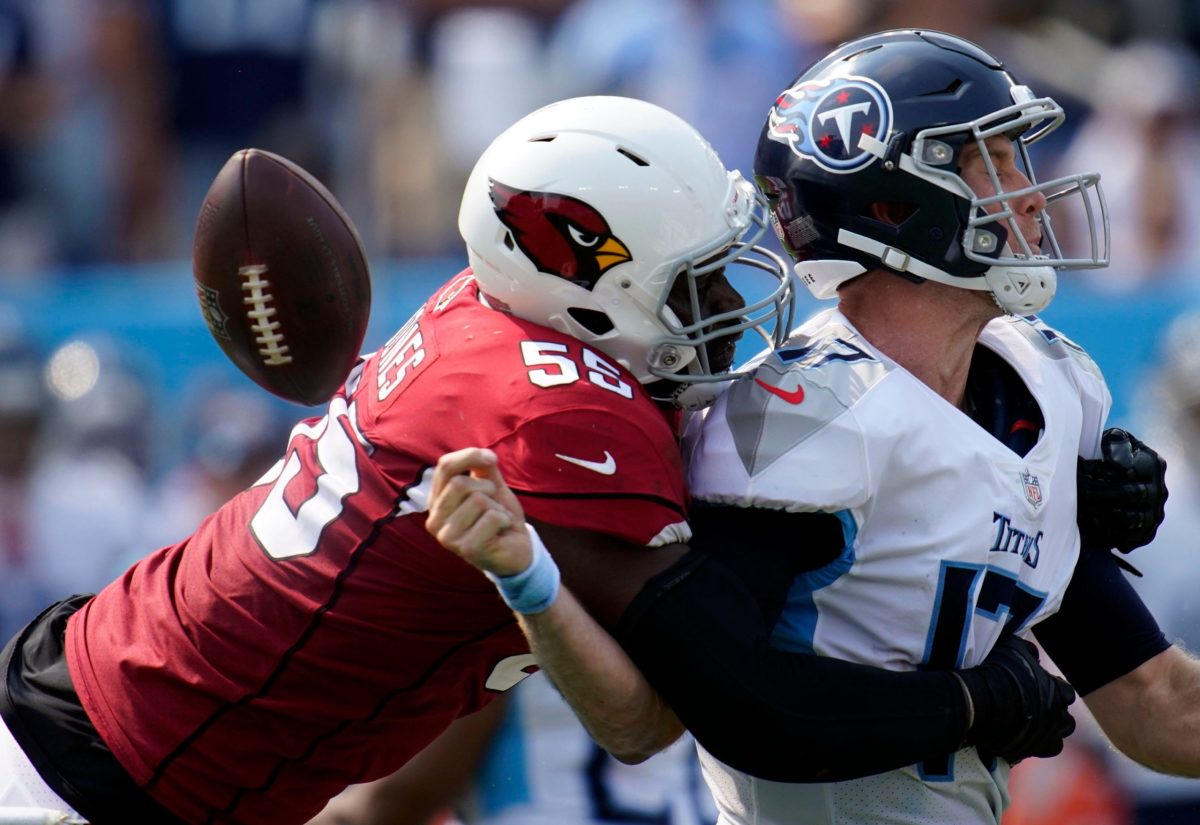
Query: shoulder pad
column 797, row 391
column 1053, row 344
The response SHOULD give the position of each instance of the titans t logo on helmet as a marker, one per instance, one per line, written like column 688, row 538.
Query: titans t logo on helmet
column 822, row 121
column 562, row 235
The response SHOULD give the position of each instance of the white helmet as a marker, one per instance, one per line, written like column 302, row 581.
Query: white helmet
column 580, row 216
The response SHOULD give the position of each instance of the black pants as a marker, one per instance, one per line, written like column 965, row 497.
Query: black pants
column 39, row 705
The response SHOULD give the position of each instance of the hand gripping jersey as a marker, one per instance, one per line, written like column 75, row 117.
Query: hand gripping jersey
column 311, row 634
column 950, row 536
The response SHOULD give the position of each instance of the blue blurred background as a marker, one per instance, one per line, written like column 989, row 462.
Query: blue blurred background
column 121, row 424
column 116, row 115
column 148, row 312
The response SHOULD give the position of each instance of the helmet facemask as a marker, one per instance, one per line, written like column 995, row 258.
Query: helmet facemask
column 1027, row 121
column 1021, row 279
column 767, row 307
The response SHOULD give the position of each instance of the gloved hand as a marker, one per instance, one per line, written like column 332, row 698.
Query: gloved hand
column 1121, row 494
column 1020, row 709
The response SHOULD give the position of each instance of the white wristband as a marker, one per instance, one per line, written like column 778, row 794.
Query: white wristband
column 535, row 588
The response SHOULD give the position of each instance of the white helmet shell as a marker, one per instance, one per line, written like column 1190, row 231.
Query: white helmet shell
column 581, row 216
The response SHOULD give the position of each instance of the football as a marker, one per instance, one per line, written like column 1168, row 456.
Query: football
column 281, row 276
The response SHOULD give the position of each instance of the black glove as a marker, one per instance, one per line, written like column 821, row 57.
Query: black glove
column 1020, row 708
column 1121, row 494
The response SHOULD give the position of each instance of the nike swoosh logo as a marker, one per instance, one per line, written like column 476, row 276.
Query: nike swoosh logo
column 605, row 468
column 793, row 397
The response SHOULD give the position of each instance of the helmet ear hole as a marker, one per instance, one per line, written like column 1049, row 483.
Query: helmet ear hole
column 594, row 321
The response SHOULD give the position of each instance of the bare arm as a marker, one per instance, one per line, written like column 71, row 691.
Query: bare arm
column 1152, row 713
column 615, row 702
column 479, row 518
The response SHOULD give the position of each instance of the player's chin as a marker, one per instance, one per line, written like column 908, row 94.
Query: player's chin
column 720, row 356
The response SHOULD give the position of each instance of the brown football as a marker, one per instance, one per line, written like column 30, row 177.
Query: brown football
column 281, row 276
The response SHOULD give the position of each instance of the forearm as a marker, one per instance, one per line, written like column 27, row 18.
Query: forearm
column 703, row 641
column 1144, row 693
column 612, row 698
column 1152, row 714
column 615, row 702
column 1103, row 630
column 474, row 514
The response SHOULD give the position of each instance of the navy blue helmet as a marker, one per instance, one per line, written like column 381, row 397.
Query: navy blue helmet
column 878, row 128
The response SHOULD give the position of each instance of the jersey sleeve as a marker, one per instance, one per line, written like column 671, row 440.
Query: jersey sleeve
column 1103, row 629
column 578, row 441
column 1094, row 396
column 1095, row 399
column 597, row 470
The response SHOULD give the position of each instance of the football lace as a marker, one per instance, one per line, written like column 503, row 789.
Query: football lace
column 261, row 314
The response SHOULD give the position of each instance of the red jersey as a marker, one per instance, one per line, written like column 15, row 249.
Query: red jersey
column 311, row 634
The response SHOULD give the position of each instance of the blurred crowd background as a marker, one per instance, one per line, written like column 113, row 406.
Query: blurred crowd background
column 121, row 425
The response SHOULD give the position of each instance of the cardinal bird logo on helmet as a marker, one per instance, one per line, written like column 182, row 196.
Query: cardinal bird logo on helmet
column 562, row 235
column 823, row 120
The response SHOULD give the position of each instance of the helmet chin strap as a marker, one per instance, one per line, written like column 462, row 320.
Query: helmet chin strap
column 1018, row 290
column 693, row 397
column 1022, row 290
column 683, row 394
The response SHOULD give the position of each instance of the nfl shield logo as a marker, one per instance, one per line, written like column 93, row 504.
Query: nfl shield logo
column 1033, row 489
column 210, row 308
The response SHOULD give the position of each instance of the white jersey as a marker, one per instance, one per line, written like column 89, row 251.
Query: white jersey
column 25, row 798
column 543, row 769
column 950, row 535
